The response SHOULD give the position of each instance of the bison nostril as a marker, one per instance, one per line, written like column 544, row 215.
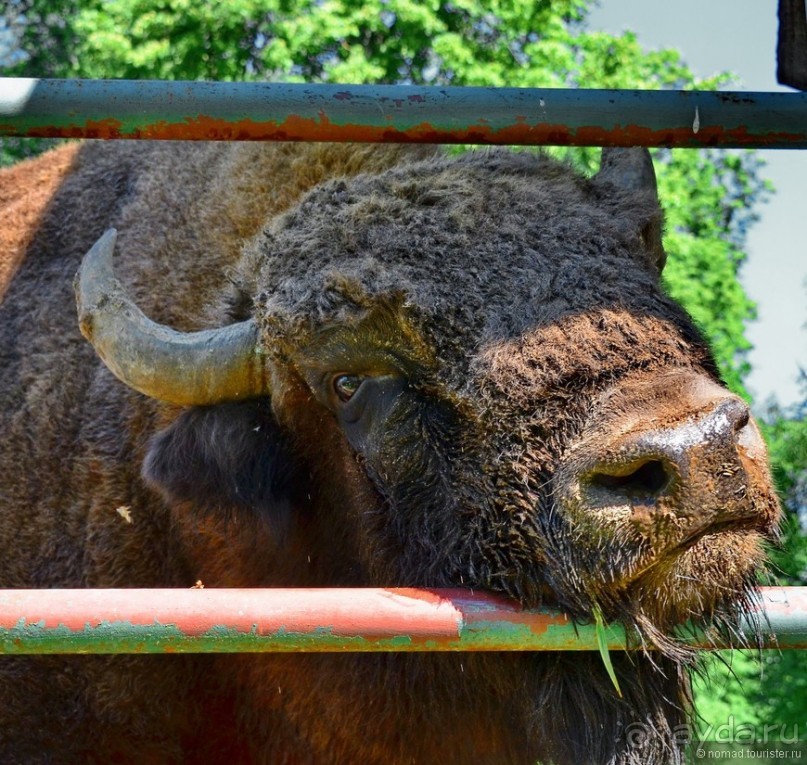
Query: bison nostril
column 647, row 481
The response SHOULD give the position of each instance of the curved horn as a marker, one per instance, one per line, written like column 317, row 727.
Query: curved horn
column 177, row 367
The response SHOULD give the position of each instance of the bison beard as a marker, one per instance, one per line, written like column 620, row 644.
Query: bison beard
column 464, row 373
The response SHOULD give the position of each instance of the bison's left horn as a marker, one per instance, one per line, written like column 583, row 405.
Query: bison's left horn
column 182, row 368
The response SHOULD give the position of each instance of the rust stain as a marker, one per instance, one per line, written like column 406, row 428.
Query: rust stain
column 108, row 128
column 297, row 128
column 484, row 608
column 536, row 623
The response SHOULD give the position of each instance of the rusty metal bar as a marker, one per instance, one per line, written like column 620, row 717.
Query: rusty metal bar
column 263, row 111
column 323, row 620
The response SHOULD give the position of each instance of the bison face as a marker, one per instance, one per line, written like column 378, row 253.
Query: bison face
column 474, row 364
column 522, row 407
column 647, row 497
column 464, row 372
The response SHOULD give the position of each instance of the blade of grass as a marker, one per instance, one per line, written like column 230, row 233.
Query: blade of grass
column 602, row 643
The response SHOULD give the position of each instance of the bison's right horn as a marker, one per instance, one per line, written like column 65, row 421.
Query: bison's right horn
column 182, row 368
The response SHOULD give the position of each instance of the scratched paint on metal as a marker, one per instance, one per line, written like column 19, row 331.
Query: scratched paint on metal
column 82, row 621
column 124, row 637
column 277, row 111
column 296, row 128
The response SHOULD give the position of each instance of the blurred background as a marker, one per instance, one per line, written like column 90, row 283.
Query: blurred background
column 735, row 219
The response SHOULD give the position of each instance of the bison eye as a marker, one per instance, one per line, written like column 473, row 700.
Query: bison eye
column 345, row 386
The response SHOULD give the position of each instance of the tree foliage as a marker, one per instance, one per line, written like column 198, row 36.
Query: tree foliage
column 459, row 42
column 710, row 196
column 770, row 687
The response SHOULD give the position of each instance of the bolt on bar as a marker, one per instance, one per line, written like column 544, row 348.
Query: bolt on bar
column 261, row 111
column 323, row 620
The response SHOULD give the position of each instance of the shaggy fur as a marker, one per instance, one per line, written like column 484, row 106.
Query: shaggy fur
column 24, row 195
column 507, row 317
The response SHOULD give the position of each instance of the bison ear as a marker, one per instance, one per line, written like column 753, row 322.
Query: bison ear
column 631, row 171
column 627, row 169
column 223, row 458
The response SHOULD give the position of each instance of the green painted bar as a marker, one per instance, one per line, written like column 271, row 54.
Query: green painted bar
column 399, row 113
column 329, row 620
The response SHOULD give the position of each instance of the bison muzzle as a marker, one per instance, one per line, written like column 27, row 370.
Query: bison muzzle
column 357, row 366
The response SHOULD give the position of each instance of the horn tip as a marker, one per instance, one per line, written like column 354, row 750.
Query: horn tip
column 93, row 278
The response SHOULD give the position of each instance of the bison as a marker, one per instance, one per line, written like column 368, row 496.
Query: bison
column 353, row 366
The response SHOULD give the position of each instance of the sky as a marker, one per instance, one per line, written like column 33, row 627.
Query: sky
column 740, row 36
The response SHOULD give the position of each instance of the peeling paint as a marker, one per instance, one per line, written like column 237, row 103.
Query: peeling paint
column 321, row 620
column 522, row 133
column 399, row 114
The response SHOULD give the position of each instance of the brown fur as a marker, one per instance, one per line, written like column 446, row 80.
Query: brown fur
column 25, row 191
column 515, row 305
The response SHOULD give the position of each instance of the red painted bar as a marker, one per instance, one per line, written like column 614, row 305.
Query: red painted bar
column 282, row 620
column 372, row 612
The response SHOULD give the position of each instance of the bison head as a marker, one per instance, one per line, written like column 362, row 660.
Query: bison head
column 466, row 371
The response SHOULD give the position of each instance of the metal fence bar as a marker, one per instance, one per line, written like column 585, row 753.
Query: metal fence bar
column 368, row 620
column 327, row 620
column 400, row 114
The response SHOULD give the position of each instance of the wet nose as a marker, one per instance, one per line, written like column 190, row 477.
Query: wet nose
column 648, row 466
